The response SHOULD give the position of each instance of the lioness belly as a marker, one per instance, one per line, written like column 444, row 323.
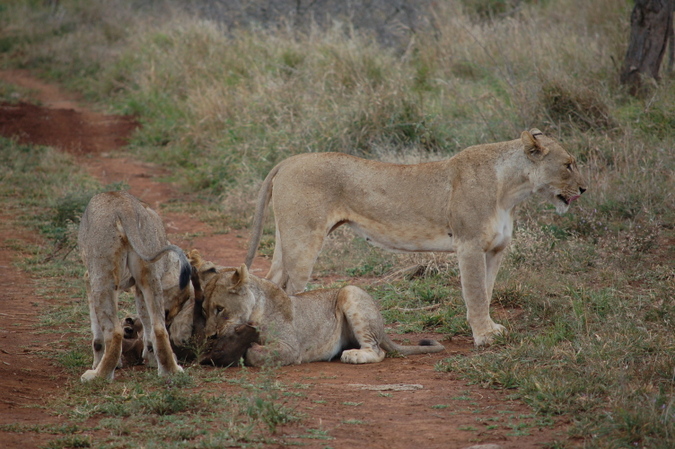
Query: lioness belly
column 322, row 348
column 422, row 239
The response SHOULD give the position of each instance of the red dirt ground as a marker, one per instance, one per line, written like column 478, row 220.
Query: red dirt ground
column 339, row 397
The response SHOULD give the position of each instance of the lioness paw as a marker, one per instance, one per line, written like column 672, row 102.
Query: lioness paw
column 359, row 356
column 256, row 355
column 487, row 338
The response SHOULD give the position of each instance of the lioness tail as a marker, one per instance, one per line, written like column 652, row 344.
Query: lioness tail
column 425, row 346
column 259, row 218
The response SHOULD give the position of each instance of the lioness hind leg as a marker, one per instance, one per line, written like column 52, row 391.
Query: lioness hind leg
column 299, row 253
column 276, row 273
column 366, row 324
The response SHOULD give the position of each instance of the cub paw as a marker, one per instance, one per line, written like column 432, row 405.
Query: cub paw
column 92, row 374
column 89, row 375
column 168, row 371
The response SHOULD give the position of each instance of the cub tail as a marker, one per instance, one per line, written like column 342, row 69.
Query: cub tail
column 185, row 267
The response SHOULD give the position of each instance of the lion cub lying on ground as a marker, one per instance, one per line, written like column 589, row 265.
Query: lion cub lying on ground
column 308, row 327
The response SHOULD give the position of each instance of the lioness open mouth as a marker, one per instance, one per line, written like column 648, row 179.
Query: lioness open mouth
column 569, row 200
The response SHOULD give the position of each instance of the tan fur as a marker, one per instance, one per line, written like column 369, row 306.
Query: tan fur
column 123, row 244
column 464, row 204
column 307, row 327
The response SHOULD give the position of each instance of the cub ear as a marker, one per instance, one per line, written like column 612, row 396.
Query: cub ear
column 534, row 150
column 240, row 277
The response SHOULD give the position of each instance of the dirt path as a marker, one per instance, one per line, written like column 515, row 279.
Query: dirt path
column 418, row 408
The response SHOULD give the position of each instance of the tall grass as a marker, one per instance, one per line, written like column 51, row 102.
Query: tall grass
column 588, row 296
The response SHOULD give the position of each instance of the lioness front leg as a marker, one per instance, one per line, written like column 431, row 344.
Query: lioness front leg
column 493, row 260
column 272, row 354
column 473, row 273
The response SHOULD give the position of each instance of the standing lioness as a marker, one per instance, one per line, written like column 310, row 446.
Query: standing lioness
column 463, row 204
column 123, row 244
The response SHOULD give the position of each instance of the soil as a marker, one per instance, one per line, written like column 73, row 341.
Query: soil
column 399, row 403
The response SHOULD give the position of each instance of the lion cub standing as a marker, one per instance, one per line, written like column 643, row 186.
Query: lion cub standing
column 308, row 327
column 123, row 243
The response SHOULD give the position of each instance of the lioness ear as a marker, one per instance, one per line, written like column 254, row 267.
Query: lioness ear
column 533, row 149
column 240, row 277
column 206, row 273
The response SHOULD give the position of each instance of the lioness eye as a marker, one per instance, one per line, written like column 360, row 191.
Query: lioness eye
column 219, row 310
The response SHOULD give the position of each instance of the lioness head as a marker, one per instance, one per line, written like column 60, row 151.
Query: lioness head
column 556, row 173
column 228, row 301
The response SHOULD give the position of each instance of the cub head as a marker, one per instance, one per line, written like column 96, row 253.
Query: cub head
column 556, row 174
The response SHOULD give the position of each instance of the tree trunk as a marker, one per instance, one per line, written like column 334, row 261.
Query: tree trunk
column 651, row 27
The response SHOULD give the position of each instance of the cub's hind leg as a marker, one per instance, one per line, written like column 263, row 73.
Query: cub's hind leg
column 97, row 342
column 148, row 350
column 108, row 334
column 366, row 325
column 151, row 291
